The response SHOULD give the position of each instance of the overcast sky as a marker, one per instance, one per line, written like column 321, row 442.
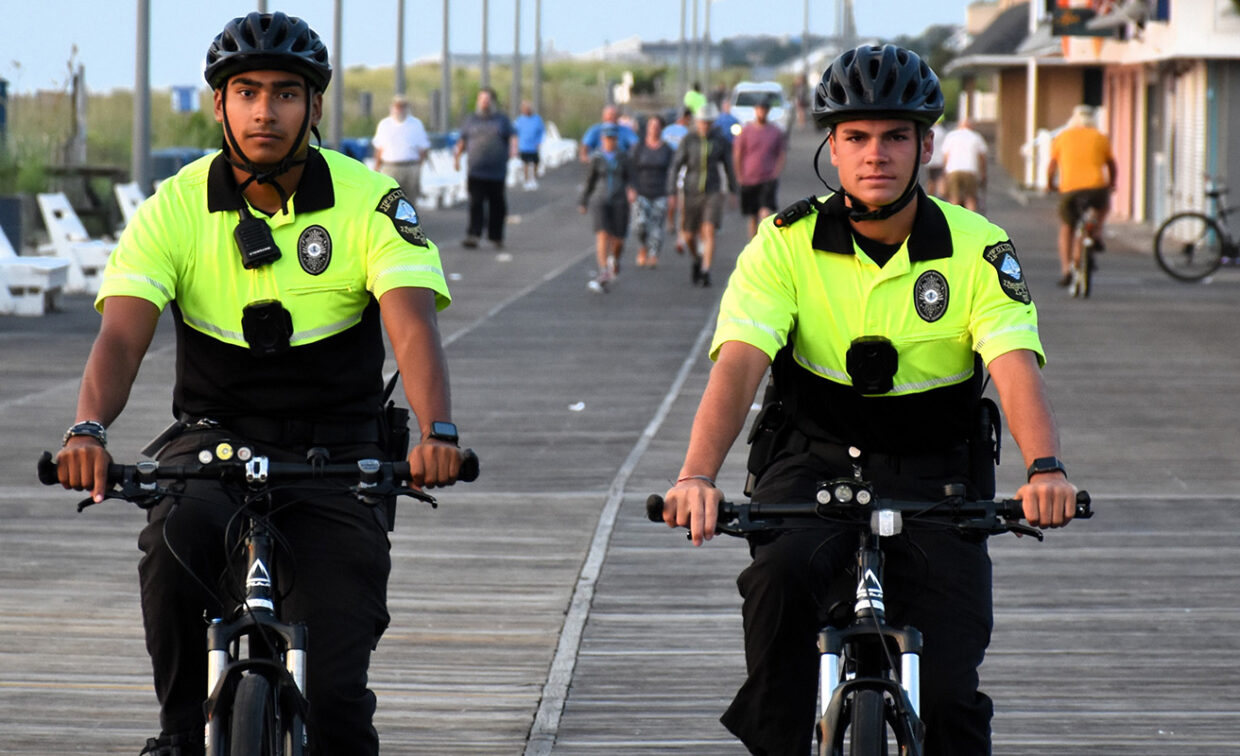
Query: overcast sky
column 36, row 42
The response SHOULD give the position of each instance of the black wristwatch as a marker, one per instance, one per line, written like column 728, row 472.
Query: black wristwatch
column 92, row 428
column 1045, row 465
column 444, row 431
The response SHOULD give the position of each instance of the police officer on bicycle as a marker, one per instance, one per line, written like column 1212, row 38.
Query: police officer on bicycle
column 282, row 264
column 876, row 307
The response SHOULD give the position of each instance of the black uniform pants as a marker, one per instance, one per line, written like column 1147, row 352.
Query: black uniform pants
column 332, row 576
column 488, row 204
column 936, row 581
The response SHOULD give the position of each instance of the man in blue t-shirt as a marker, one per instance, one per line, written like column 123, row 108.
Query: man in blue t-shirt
column 530, row 130
column 488, row 136
column 592, row 140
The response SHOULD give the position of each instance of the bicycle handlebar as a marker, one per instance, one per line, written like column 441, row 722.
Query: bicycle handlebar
column 374, row 478
column 989, row 516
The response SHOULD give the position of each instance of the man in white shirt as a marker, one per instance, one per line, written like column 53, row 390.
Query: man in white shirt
column 400, row 142
column 964, row 163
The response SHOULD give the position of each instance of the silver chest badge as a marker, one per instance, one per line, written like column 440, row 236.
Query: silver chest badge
column 314, row 250
column 930, row 295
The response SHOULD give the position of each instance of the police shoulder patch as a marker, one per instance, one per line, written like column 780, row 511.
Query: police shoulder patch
column 1011, row 278
column 400, row 210
column 314, row 250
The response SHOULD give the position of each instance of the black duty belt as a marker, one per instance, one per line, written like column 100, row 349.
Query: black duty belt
column 947, row 462
column 298, row 433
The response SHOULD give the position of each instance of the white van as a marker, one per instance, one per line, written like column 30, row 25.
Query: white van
column 746, row 94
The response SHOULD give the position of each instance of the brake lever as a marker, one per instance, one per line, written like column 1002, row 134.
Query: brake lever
column 1020, row 528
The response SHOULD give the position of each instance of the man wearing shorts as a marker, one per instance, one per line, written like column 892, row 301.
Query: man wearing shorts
column 702, row 153
column 759, row 153
column 530, row 131
column 1082, row 157
column 611, row 173
column 964, row 165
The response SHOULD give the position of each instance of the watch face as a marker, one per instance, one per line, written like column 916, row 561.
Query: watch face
column 442, row 430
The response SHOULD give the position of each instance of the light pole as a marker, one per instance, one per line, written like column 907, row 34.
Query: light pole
column 337, row 133
column 538, row 73
column 486, row 56
column 400, row 47
column 140, row 160
column 706, row 41
column 683, row 78
column 513, row 107
column 445, row 85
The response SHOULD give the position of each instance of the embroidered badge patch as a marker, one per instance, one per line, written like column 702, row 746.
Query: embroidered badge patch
column 314, row 250
column 930, row 295
column 1011, row 277
column 395, row 206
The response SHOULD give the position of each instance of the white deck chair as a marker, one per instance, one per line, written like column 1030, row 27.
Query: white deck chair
column 87, row 257
column 128, row 196
column 29, row 285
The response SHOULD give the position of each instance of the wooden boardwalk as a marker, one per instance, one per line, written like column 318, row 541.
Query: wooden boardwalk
column 538, row 600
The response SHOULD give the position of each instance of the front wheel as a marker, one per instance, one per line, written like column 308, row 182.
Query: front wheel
column 255, row 727
column 1189, row 246
column 867, row 734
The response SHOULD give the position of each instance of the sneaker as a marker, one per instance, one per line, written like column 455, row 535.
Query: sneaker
column 601, row 283
column 704, row 279
column 696, row 273
column 531, row 185
column 470, row 242
column 1064, row 279
column 497, row 243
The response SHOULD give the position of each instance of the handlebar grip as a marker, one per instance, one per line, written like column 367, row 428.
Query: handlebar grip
column 1084, row 509
column 47, row 469
column 654, row 508
column 469, row 467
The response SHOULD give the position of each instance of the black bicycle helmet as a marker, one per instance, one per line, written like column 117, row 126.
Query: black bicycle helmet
column 268, row 41
column 878, row 82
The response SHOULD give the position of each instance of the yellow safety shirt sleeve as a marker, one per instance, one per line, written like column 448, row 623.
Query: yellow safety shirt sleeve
column 143, row 264
column 759, row 304
column 998, row 321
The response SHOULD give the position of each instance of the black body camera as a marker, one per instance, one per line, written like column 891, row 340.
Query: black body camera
column 872, row 363
column 267, row 327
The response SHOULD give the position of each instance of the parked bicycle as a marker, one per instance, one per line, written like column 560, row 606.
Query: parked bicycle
column 256, row 663
column 1191, row 246
column 869, row 671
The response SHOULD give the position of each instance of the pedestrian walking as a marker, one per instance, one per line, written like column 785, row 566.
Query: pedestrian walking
column 488, row 136
column 964, row 165
column 591, row 141
column 530, row 131
column 651, row 159
column 759, row 153
column 400, row 144
column 610, row 172
column 706, row 158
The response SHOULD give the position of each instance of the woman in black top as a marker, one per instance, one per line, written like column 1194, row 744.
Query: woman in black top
column 650, row 159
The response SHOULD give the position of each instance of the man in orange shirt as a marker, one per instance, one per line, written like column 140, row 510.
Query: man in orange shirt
column 1082, row 157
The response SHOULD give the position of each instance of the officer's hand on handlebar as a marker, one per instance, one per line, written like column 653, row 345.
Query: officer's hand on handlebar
column 82, row 465
column 434, row 463
column 693, row 503
column 1049, row 500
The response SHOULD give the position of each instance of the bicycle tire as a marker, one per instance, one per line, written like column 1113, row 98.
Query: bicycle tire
column 1083, row 274
column 1189, row 246
column 867, row 733
column 255, row 721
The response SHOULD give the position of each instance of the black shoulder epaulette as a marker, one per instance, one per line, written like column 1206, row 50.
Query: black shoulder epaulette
column 794, row 212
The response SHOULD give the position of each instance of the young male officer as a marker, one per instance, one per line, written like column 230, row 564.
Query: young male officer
column 876, row 298
column 280, row 264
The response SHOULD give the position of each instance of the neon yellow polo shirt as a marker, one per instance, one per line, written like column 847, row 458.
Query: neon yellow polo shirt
column 954, row 288
column 347, row 236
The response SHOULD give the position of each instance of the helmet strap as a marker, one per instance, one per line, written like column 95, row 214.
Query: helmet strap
column 259, row 174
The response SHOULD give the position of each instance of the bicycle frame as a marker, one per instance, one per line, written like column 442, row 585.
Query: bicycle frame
column 255, row 619
column 860, row 656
